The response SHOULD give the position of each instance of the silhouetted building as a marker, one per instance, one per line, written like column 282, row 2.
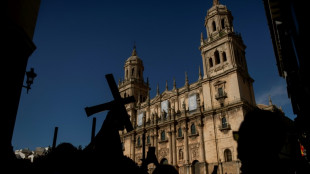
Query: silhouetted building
column 19, row 24
column 192, row 126
column 287, row 25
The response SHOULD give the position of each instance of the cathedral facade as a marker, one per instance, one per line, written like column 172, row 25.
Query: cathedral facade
column 193, row 127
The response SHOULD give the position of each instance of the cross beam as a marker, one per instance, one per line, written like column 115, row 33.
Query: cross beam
column 118, row 103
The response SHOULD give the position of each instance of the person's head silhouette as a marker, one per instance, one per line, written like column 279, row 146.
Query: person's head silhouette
column 262, row 136
column 165, row 169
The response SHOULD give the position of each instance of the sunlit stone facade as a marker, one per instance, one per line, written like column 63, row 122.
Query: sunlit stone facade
column 192, row 127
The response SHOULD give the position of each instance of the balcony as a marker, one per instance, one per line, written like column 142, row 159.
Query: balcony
column 225, row 126
column 221, row 95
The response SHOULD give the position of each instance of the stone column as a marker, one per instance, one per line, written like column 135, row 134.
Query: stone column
column 156, row 142
column 202, row 148
column 186, row 150
column 174, row 153
column 201, row 144
column 133, row 143
column 170, row 148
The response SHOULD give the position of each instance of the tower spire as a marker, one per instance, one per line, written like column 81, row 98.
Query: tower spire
column 201, row 39
column 157, row 89
column 166, row 85
column 174, row 84
column 186, row 80
column 134, row 52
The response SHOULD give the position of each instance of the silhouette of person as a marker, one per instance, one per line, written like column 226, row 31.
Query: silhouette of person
column 266, row 143
column 165, row 169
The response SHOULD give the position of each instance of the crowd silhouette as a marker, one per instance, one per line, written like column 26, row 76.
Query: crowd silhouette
column 267, row 143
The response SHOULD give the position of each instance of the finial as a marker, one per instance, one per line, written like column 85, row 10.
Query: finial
column 134, row 52
column 157, row 89
column 166, row 85
column 186, row 79
column 174, row 84
column 201, row 39
column 200, row 76
column 270, row 102
column 216, row 2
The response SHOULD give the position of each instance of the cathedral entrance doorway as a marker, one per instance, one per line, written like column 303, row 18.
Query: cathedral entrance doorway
column 164, row 161
column 195, row 167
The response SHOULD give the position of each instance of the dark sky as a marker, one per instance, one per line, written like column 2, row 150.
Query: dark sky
column 78, row 42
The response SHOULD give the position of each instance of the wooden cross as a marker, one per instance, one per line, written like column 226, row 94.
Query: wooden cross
column 118, row 103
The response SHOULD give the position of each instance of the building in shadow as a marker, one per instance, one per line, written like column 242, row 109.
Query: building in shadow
column 287, row 24
column 19, row 25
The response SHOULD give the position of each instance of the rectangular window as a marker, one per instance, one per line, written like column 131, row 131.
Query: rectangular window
column 220, row 92
column 140, row 119
column 192, row 102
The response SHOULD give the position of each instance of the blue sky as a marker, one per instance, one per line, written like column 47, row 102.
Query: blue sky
column 78, row 42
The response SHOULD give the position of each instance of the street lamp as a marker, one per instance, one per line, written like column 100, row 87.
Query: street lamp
column 30, row 77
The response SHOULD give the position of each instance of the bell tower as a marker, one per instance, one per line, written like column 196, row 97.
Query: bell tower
column 224, row 64
column 133, row 83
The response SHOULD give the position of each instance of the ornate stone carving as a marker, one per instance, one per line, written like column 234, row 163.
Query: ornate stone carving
column 194, row 151
column 163, row 153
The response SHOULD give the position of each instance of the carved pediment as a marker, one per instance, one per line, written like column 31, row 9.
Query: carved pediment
column 219, row 82
column 166, row 95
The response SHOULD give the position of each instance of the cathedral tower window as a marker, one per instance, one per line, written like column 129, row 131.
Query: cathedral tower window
column 132, row 71
column 210, row 62
column 163, row 136
column 193, row 129
column 213, row 26
column 126, row 75
column 217, row 57
column 180, row 132
column 223, row 23
column 224, row 56
column 227, row 155
column 148, row 140
column 124, row 94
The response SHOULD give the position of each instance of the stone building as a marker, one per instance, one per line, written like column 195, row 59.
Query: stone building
column 192, row 127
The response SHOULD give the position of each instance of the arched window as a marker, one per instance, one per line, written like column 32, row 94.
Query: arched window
column 181, row 154
column 214, row 26
column 132, row 71
column 223, row 23
column 195, row 167
column 139, row 141
column 163, row 136
column 227, row 155
column 148, row 140
column 180, row 132
column 193, row 129
column 217, row 57
column 210, row 62
column 224, row 122
column 224, row 57
column 124, row 94
column 163, row 161
column 126, row 74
